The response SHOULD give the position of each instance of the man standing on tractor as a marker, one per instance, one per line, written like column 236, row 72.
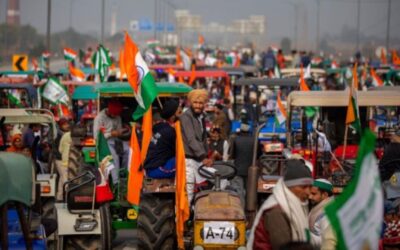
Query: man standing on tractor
column 109, row 121
column 283, row 216
column 320, row 196
column 160, row 161
column 194, row 136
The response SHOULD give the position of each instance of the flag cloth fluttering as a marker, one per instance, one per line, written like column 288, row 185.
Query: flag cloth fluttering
column 70, row 54
column 137, row 156
column 181, row 198
column 76, row 73
column 383, row 56
column 14, row 96
column 122, row 68
column 280, row 112
column 139, row 77
column 101, row 61
column 395, row 58
column 356, row 215
column 55, row 92
column 353, row 116
column 310, row 111
column 376, row 80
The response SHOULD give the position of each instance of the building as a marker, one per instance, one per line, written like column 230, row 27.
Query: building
column 13, row 13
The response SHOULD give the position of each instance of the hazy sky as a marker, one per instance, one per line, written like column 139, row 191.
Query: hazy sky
column 279, row 14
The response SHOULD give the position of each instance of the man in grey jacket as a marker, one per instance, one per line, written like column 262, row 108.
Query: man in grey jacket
column 194, row 136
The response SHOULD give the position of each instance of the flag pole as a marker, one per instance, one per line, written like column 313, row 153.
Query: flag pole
column 345, row 141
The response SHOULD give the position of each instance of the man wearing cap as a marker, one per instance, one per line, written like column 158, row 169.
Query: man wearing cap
column 320, row 196
column 109, row 121
column 160, row 161
column 283, row 216
column 194, row 137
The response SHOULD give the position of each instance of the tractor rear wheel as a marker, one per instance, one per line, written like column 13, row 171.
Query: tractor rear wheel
column 156, row 223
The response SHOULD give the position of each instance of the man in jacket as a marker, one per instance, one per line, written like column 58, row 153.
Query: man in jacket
column 194, row 137
column 283, row 216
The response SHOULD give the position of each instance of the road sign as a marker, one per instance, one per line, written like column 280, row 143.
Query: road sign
column 20, row 62
column 134, row 25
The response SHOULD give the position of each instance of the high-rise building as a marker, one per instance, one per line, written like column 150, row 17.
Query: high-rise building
column 13, row 14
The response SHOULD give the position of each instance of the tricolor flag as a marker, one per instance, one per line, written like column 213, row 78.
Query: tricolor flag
column 310, row 111
column 334, row 65
column 171, row 74
column 376, row 80
column 54, row 92
column 152, row 43
column 101, row 61
column 139, row 77
column 76, row 73
column 280, row 112
column 356, row 215
column 46, row 55
column 70, row 54
column 353, row 116
column 186, row 61
column 192, row 77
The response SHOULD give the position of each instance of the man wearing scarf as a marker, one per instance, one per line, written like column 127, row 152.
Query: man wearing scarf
column 194, row 137
column 282, row 218
column 320, row 196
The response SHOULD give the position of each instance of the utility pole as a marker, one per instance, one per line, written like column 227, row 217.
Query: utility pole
column 388, row 27
column 318, row 18
column 102, row 20
column 358, row 25
column 48, row 45
column 155, row 18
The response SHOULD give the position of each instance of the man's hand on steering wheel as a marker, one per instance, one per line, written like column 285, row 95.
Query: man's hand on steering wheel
column 207, row 162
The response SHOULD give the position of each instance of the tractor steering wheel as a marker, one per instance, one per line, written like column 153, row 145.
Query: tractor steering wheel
column 225, row 170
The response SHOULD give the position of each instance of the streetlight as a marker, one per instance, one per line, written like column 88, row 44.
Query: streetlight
column 102, row 20
column 388, row 27
column 48, row 33
column 318, row 18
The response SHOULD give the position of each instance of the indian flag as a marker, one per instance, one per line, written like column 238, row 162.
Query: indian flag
column 152, row 43
column 54, row 92
column 334, row 65
column 101, row 61
column 139, row 77
column 46, row 55
column 69, row 54
column 76, row 73
column 353, row 116
column 280, row 112
column 395, row 58
column 310, row 111
column 376, row 80
column 186, row 61
column 356, row 215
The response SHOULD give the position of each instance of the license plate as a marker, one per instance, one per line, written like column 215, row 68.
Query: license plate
column 216, row 232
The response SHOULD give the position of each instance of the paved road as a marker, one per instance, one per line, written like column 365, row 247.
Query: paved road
column 125, row 240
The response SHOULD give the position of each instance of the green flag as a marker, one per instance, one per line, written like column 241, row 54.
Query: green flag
column 356, row 215
column 103, row 154
column 101, row 61
column 14, row 96
column 55, row 92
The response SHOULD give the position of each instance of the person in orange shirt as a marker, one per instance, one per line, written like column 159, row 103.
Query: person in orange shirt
column 280, row 58
column 17, row 146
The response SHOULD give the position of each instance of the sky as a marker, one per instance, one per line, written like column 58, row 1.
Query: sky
column 334, row 14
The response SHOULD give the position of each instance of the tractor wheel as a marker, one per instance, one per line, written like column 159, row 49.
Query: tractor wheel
column 102, row 241
column 74, row 162
column 156, row 223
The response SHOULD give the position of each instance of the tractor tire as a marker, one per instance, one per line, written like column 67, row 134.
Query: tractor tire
column 156, row 223
column 75, row 162
column 83, row 242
